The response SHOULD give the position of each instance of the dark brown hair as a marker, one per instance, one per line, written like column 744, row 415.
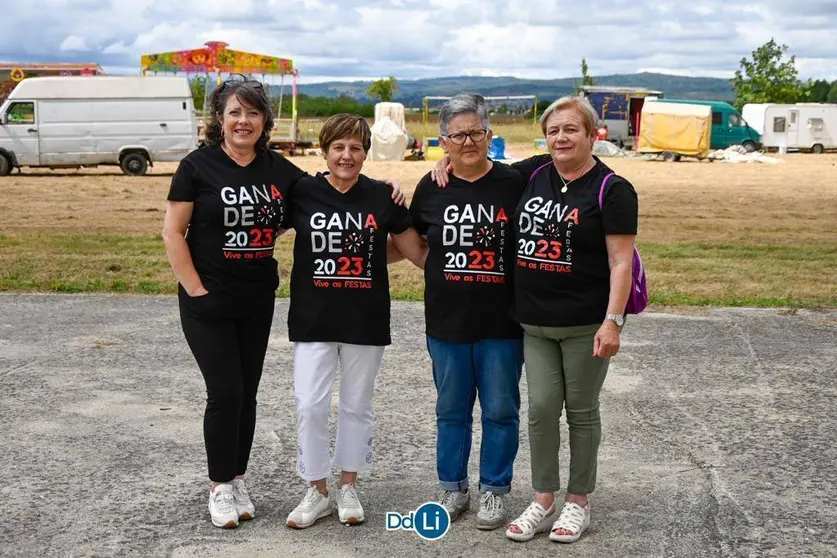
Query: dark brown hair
column 248, row 91
column 342, row 126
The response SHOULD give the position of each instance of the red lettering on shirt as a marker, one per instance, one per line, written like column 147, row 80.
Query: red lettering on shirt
column 370, row 222
column 573, row 216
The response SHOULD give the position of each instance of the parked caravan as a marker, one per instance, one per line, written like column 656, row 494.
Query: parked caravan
column 728, row 126
column 800, row 127
column 674, row 130
column 619, row 108
column 71, row 122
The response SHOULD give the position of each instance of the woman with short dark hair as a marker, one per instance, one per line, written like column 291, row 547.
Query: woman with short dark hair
column 340, row 312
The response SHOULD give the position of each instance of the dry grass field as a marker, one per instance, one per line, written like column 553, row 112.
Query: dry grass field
column 710, row 233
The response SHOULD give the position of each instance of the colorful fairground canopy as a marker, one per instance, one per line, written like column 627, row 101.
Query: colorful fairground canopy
column 215, row 57
column 12, row 73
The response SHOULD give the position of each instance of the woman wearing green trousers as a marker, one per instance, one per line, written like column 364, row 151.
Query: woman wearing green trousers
column 572, row 281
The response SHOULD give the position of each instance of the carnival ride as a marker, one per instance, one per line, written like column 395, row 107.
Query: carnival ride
column 216, row 59
column 12, row 73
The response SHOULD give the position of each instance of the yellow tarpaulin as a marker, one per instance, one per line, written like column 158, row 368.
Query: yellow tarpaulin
column 675, row 127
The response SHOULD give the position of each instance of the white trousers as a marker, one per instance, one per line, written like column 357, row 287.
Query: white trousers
column 315, row 369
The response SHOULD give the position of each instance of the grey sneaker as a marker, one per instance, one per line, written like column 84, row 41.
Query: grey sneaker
column 455, row 502
column 491, row 514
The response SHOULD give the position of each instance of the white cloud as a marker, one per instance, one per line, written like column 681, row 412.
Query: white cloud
column 433, row 38
column 74, row 42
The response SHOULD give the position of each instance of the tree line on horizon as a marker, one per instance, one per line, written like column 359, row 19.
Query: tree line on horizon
column 767, row 76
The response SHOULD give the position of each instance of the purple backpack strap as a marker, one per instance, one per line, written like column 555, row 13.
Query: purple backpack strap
column 603, row 189
column 537, row 170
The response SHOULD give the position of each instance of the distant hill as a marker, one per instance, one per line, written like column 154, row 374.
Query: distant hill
column 410, row 92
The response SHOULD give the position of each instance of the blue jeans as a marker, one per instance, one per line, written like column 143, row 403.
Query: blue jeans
column 491, row 369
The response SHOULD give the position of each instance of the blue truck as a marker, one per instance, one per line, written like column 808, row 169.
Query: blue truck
column 619, row 108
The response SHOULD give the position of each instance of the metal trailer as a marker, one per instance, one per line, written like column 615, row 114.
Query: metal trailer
column 620, row 109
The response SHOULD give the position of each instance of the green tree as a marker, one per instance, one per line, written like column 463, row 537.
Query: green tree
column 586, row 78
column 324, row 106
column 197, row 85
column 383, row 89
column 818, row 92
column 768, row 78
column 832, row 95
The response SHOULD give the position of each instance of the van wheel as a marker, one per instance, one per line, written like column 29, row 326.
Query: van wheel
column 749, row 146
column 670, row 157
column 134, row 164
column 817, row 148
column 5, row 165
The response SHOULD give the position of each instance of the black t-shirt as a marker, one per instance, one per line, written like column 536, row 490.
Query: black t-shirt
column 469, row 290
column 237, row 213
column 339, row 282
column 562, row 275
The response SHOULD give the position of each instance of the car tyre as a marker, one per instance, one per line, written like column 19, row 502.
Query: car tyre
column 5, row 165
column 134, row 164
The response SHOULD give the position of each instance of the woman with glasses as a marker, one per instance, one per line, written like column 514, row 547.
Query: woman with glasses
column 226, row 206
column 575, row 226
column 475, row 346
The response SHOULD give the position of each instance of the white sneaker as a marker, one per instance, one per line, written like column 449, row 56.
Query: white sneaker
column 313, row 506
column 491, row 514
column 349, row 510
column 222, row 506
column 243, row 505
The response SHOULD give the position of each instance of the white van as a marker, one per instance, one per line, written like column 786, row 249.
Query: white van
column 803, row 126
column 85, row 121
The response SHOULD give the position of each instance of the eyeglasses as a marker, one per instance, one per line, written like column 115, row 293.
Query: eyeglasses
column 459, row 137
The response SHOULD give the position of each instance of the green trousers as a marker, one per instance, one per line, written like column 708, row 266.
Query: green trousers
column 562, row 372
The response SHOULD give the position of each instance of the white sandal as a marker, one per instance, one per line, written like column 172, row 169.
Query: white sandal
column 535, row 519
column 573, row 519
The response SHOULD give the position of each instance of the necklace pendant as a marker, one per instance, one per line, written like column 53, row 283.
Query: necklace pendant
column 564, row 190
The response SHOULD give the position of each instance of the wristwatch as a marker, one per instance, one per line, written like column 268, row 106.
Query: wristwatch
column 618, row 318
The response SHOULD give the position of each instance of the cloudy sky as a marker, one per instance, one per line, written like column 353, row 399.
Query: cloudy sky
column 366, row 39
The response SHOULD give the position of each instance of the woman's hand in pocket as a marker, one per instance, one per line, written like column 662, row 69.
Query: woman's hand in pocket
column 199, row 292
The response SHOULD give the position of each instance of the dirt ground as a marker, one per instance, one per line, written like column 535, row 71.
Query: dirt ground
column 779, row 204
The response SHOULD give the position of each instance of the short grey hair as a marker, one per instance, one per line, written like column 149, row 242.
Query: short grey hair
column 463, row 103
column 589, row 116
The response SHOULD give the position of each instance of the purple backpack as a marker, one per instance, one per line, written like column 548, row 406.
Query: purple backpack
column 638, row 297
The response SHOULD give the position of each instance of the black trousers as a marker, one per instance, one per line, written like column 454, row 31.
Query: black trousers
column 228, row 336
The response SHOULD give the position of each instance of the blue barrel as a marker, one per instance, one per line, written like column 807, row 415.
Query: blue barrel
column 497, row 150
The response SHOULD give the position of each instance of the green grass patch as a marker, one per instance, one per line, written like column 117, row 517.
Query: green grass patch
column 680, row 274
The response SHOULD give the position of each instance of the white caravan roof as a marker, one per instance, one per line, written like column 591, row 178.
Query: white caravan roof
column 101, row 87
